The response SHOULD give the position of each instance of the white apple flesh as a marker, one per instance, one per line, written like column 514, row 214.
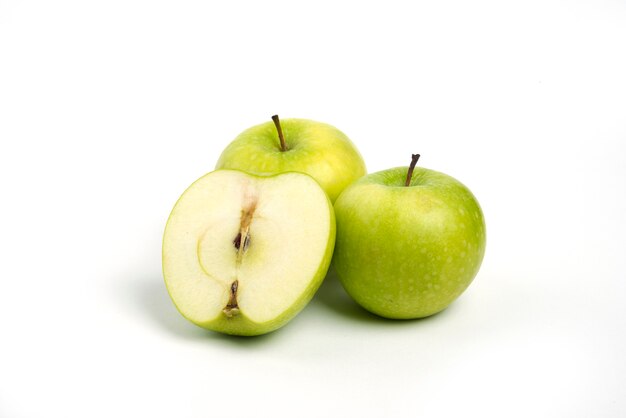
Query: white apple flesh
column 244, row 254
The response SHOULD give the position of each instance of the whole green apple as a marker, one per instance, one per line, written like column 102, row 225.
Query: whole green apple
column 244, row 254
column 407, row 244
column 317, row 149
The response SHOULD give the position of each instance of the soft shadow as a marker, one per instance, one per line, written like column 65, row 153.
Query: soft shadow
column 333, row 296
column 151, row 296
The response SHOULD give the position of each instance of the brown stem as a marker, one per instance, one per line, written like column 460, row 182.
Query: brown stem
column 409, row 175
column 283, row 146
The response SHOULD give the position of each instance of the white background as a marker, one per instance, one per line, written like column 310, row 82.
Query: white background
column 109, row 109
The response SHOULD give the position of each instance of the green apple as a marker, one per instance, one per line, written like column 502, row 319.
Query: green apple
column 317, row 149
column 407, row 244
column 244, row 254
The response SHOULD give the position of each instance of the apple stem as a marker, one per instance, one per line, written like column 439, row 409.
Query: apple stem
column 283, row 146
column 409, row 175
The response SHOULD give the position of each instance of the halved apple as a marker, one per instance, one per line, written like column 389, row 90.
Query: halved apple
column 244, row 254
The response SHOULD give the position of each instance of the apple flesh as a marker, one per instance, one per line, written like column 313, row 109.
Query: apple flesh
column 407, row 252
column 244, row 254
column 317, row 149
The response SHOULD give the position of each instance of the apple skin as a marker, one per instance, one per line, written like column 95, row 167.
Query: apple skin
column 241, row 325
column 317, row 149
column 407, row 252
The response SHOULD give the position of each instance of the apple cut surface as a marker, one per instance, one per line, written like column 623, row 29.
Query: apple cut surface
column 244, row 254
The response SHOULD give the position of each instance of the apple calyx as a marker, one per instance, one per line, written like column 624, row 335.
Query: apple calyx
column 409, row 175
column 279, row 129
column 232, row 308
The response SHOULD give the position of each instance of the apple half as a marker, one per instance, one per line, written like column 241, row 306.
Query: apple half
column 243, row 254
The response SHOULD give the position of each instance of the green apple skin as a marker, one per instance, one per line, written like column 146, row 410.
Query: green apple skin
column 407, row 252
column 240, row 325
column 317, row 149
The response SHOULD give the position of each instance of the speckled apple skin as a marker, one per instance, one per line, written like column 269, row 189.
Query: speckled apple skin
column 314, row 148
column 407, row 252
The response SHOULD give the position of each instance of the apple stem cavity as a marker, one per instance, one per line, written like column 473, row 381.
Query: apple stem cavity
column 409, row 175
column 279, row 129
column 232, row 308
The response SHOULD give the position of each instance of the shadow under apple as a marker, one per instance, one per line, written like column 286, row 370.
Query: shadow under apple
column 332, row 295
column 150, row 296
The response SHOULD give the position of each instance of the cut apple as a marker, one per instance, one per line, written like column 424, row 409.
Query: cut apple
column 244, row 254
